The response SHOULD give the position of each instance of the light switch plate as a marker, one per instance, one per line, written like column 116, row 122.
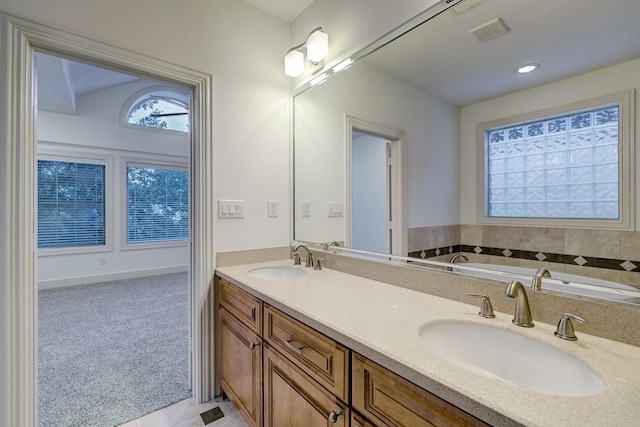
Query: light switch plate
column 306, row 209
column 230, row 208
column 335, row 209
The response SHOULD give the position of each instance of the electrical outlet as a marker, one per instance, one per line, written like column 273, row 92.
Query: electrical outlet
column 272, row 208
column 102, row 260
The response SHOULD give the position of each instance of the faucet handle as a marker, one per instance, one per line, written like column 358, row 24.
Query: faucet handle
column 565, row 327
column 296, row 259
column 318, row 266
column 486, row 309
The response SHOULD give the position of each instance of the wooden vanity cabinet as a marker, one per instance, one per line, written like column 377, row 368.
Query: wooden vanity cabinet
column 240, row 351
column 293, row 398
column 387, row 399
column 279, row 372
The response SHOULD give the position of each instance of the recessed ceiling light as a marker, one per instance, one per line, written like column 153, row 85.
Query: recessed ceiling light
column 527, row 68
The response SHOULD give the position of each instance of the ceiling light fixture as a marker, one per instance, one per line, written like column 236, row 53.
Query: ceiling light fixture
column 316, row 47
column 527, row 68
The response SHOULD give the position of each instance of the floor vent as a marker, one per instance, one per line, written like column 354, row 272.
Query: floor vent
column 211, row 415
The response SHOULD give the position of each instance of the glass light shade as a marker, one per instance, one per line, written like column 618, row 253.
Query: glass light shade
column 294, row 63
column 317, row 46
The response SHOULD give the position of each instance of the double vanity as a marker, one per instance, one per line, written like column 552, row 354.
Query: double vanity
column 370, row 353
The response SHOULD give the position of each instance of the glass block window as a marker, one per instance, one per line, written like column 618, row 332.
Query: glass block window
column 556, row 167
column 71, row 204
column 157, row 204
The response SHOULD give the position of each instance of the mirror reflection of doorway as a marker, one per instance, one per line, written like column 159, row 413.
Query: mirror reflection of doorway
column 371, row 193
column 375, row 210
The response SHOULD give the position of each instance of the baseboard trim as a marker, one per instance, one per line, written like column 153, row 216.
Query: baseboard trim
column 123, row 275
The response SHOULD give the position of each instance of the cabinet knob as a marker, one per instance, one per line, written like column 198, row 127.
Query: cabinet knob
column 334, row 415
column 254, row 345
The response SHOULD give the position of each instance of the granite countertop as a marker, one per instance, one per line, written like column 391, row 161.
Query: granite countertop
column 382, row 322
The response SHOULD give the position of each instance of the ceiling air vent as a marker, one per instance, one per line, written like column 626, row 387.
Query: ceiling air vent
column 463, row 6
column 489, row 30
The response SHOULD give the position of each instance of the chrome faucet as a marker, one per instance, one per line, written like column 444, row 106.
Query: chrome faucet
column 326, row 245
column 455, row 258
column 309, row 262
column 522, row 315
column 536, row 283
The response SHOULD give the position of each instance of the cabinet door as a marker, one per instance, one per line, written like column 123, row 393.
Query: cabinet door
column 292, row 398
column 241, row 367
column 387, row 399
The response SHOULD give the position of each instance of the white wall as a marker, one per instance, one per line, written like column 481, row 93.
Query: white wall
column 242, row 47
column 364, row 92
column 610, row 80
column 95, row 130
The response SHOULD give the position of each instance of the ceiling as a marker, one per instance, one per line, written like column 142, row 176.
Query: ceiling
column 61, row 80
column 566, row 37
column 287, row 10
column 440, row 56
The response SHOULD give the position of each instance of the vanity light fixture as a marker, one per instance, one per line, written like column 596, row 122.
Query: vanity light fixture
column 527, row 68
column 316, row 47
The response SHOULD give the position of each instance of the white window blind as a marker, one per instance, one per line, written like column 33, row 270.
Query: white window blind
column 157, row 204
column 560, row 167
column 71, row 204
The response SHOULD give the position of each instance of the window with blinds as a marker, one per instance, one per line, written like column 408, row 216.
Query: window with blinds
column 157, row 204
column 71, row 204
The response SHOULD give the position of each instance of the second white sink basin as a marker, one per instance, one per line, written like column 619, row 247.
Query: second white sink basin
column 278, row 272
column 506, row 356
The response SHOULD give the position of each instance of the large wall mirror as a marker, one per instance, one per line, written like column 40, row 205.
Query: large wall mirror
column 399, row 126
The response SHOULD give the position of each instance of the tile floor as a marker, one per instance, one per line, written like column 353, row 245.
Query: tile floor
column 187, row 414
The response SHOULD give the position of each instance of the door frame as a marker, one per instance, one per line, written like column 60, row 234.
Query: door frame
column 398, row 181
column 19, row 39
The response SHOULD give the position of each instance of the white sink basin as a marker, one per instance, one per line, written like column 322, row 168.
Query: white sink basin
column 279, row 272
column 510, row 357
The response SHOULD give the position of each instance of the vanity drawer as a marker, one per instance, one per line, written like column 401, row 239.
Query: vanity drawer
column 320, row 357
column 244, row 306
column 389, row 400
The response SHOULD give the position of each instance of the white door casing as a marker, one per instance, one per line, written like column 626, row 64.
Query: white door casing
column 19, row 39
column 397, row 180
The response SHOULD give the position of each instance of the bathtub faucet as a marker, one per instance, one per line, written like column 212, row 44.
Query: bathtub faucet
column 536, row 283
column 455, row 257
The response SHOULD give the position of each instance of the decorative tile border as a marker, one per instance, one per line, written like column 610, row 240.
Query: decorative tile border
column 578, row 260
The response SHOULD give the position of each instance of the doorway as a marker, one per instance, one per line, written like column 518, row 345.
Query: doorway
column 18, row 227
column 375, row 212
column 112, row 210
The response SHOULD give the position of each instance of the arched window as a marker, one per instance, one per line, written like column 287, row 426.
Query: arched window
column 159, row 108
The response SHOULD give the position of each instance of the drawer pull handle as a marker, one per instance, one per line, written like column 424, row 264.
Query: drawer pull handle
column 254, row 345
column 292, row 347
column 334, row 415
